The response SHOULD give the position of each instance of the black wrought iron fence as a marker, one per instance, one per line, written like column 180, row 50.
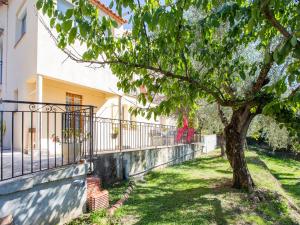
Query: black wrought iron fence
column 40, row 136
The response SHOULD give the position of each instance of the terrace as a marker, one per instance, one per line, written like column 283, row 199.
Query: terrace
column 42, row 136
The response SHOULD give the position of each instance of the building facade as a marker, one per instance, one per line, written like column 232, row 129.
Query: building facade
column 33, row 68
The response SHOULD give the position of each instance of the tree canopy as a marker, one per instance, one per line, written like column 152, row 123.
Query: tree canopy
column 165, row 42
column 184, row 57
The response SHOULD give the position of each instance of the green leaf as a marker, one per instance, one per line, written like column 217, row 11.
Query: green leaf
column 267, row 58
column 294, row 41
column 242, row 75
column 88, row 55
column 72, row 35
column 114, row 23
column 111, row 5
column 52, row 22
column 67, row 25
column 83, row 28
column 58, row 28
column 69, row 13
column 50, row 12
column 297, row 53
column 291, row 79
column 285, row 49
column 39, row 4
column 147, row 17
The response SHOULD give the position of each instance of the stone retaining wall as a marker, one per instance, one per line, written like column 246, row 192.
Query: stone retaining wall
column 115, row 166
column 50, row 197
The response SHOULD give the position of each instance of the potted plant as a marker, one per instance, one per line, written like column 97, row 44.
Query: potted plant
column 72, row 145
column 115, row 133
column 3, row 128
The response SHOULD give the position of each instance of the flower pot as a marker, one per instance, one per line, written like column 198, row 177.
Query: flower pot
column 71, row 152
column 114, row 135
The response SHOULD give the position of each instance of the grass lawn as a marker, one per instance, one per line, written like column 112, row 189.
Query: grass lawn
column 199, row 192
column 287, row 171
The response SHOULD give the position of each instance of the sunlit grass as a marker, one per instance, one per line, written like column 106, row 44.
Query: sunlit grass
column 199, row 192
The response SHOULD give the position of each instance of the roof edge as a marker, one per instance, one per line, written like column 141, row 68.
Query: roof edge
column 108, row 11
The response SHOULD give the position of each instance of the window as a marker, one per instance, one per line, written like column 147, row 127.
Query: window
column 21, row 25
column 63, row 6
column 74, row 116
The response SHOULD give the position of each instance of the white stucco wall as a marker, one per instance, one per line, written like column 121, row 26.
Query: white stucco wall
column 36, row 55
column 19, row 56
column 52, row 63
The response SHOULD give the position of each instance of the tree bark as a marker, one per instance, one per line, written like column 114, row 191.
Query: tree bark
column 235, row 136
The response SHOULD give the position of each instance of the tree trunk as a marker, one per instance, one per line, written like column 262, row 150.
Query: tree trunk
column 235, row 136
column 222, row 144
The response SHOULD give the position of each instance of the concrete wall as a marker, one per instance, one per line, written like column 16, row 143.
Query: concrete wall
column 121, row 165
column 210, row 142
column 50, row 197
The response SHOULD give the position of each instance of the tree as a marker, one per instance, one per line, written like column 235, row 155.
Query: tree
column 210, row 121
column 186, row 60
column 275, row 134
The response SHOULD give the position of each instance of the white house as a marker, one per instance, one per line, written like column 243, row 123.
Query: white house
column 34, row 69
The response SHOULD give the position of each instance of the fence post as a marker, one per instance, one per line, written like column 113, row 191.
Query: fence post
column 92, row 136
column 120, row 135
column 140, row 134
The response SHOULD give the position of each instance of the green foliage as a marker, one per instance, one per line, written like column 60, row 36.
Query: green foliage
column 274, row 133
column 194, row 49
column 209, row 118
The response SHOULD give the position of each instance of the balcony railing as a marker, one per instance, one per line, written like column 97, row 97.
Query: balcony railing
column 120, row 135
column 40, row 136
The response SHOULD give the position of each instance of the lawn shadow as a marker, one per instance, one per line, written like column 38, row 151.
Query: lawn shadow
column 181, row 195
column 293, row 187
column 174, row 197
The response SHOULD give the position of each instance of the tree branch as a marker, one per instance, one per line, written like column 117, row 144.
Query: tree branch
column 222, row 116
column 169, row 74
column 295, row 91
column 262, row 77
column 275, row 23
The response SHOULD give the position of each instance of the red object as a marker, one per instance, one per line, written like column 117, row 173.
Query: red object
column 180, row 131
column 96, row 198
column 190, row 134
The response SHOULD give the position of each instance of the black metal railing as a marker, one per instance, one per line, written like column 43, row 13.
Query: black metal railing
column 114, row 134
column 39, row 136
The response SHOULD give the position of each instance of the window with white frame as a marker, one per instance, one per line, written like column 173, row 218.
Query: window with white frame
column 21, row 24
